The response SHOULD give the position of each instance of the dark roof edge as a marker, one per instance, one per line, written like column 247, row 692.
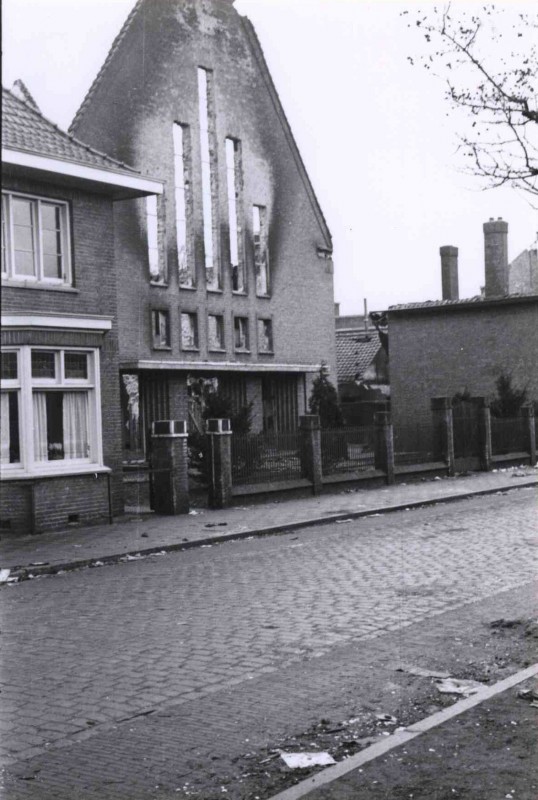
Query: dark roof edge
column 114, row 163
column 459, row 305
column 260, row 57
column 106, row 63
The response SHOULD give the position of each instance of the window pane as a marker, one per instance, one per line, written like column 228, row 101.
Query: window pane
column 76, row 365
column 9, row 428
column 5, row 211
column 22, row 211
column 9, row 366
column 161, row 329
column 50, row 216
column 43, row 364
column 133, row 438
column 265, row 336
column 61, row 425
column 52, row 266
column 75, row 425
column 24, row 263
column 52, row 243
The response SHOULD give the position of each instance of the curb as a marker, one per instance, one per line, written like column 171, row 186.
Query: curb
column 27, row 572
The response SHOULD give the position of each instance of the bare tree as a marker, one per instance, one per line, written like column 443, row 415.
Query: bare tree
column 489, row 61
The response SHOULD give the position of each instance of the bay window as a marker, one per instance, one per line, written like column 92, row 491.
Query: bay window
column 50, row 409
column 35, row 239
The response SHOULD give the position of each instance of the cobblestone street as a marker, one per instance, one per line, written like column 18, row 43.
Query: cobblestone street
column 132, row 681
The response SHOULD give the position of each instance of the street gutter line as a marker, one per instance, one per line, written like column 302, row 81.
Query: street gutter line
column 402, row 737
column 23, row 572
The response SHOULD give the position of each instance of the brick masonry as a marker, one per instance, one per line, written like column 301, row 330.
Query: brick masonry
column 94, row 293
column 439, row 351
column 129, row 114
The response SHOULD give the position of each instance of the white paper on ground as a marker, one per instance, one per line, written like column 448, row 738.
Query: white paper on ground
column 298, row 760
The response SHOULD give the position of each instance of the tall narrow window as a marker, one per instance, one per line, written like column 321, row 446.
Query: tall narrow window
column 181, row 184
column 233, row 180
column 259, row 232
column 241, row 334
column 156, row 270
column 160, row 321
column 189, row 331
column 265, row 336
column 215, row 332
column 207, row 150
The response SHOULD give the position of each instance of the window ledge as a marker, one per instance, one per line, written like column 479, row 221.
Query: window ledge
column 217, row 349
column 158, row 284
column 80, row 469
column 47, row 287
column 191, row 349
column 242, row 350
column 264, row 296
column 162, row 347
column 188, row 288
column 239, row 294
column 266, row 352
column 213, row 291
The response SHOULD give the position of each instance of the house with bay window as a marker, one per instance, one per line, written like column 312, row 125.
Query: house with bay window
column 60, row 398
column 227, row 276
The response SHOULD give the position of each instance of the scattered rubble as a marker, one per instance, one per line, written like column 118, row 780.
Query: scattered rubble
column 304, row 760
column 454, row 686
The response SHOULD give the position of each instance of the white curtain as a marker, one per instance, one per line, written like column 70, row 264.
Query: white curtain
column 40, row 426
column 75, row 423
column 4, row 428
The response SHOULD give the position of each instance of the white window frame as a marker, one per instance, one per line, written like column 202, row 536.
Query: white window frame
column 29, row 466
column 9, row 275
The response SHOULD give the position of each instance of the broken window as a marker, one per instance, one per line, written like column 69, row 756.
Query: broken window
column 156, row 265
column 215, row 332
column 234, row 181
column 181, row 193
column 189, row 331
column 241, row 333
column 265, row 336
column 209, row 188
column 161, row 328
column 259, row 232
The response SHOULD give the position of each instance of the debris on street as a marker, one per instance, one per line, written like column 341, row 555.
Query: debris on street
column 421, row 672
column 304, row 760
column 4, row 575
column 455, row 686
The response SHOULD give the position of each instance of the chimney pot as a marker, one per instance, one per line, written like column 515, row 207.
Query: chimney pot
column 449, row 272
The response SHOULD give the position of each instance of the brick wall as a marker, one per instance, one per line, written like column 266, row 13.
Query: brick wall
column 93, row 293
column 130, row 115
column 523, row 273
column 445, row 351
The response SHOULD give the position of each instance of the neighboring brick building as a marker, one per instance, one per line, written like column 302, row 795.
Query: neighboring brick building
column 229, row 274
column 60, row 409
column 523, row 273
column 440, row 348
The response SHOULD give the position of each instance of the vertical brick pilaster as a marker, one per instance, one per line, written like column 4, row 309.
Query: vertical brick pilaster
column 443, row 422
column 170, row 462
column 384, row 449
column 219, row 434
column 310, row 434
column 530, row 425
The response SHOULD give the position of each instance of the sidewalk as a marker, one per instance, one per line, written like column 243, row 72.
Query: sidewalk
column 147, row 534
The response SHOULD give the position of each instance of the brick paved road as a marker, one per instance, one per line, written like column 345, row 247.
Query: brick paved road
column 83, row 651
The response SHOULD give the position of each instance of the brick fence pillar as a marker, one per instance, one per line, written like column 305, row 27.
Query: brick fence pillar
column 219, row 434
column 443, row 423
column 484, row 421
column 170, row 465
column 530, row 432
column 310, row 434
column 384, row 445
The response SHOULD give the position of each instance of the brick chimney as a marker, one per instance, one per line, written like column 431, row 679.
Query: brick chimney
column 449, row 272
column 496, row 257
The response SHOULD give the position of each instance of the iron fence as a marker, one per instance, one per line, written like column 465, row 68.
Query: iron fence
column 265, row 457
column 347, row 449
column 414, row 444
column 508, row 436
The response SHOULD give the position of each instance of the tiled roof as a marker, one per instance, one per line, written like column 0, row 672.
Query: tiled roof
column 354, row 354
column 25, row 128
column 477, row 300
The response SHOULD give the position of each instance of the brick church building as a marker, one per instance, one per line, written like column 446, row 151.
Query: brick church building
column 227, row 276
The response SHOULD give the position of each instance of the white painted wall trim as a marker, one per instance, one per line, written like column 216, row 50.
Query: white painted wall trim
column 10, row 321
column 221, row 366
column 82, row 171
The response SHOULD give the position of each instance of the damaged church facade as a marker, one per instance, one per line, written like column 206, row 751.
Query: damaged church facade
column 226, row 278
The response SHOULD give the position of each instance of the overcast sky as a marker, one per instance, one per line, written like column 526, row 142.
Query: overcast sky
column 372, row 130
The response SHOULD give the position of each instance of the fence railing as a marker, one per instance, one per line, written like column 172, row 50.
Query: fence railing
column 414, row 444
column 265, row 457
column 347, row 449
column 508, row 435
